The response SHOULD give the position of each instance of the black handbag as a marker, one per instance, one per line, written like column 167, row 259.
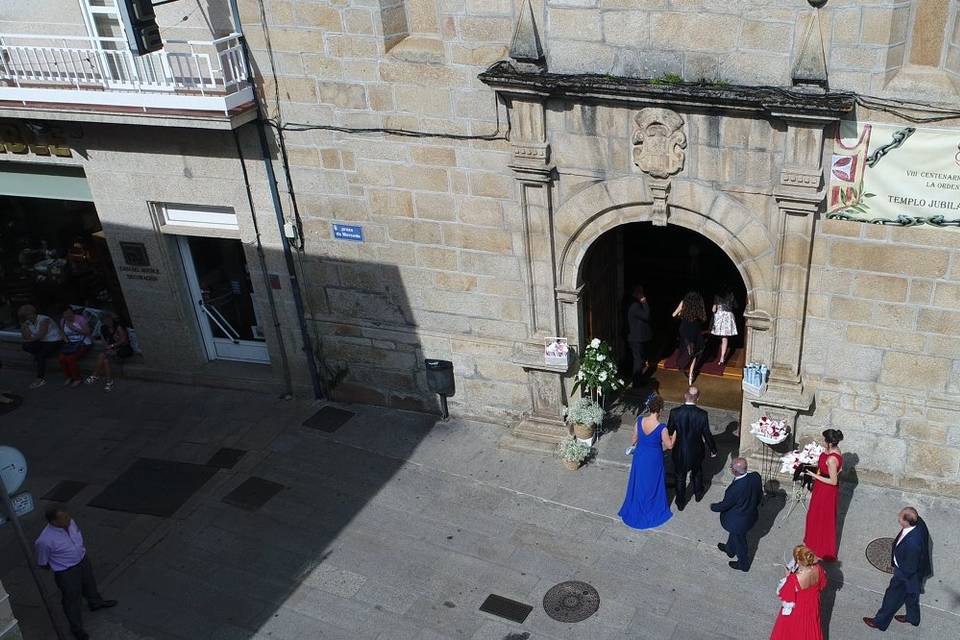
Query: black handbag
column 800, row 476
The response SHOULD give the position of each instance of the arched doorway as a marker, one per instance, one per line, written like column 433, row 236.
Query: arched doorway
column 667, row 261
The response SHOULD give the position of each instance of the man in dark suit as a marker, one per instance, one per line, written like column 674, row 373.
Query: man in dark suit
column 692, row 426
column 911, row 565
column 739, row 512
column 638, row 322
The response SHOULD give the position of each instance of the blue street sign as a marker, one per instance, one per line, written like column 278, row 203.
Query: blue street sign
column 351, row 232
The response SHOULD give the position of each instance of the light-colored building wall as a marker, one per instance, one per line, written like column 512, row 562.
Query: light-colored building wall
column 132, row 170
column 447, row 212
column 883, row 317
column 195, row 20
column 444, row 270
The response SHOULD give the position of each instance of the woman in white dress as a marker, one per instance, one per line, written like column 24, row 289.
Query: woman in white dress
column 724, row 322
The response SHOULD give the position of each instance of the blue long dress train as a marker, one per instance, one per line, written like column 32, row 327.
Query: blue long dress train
column 645, row 505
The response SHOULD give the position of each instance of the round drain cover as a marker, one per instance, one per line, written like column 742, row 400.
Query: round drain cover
column 571, row 601
column 878, row 554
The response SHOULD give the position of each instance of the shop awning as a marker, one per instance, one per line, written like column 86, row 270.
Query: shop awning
column 44, row 181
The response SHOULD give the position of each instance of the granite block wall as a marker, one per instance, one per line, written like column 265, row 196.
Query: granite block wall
column 881, row 345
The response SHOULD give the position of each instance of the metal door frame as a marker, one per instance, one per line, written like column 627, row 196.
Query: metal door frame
column 217, row 348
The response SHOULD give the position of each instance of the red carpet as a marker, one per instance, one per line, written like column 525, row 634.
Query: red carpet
column 709, row 367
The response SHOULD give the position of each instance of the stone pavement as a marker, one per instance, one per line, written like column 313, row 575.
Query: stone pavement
column 397, row 526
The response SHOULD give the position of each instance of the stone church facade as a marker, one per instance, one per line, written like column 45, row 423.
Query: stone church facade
column 485, row 147
column 474, row 248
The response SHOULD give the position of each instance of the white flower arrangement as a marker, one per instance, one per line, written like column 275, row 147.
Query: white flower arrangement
column 810, row 454
column 598, row 371
column 584, row 411
column 573, row 450
column 770, row 431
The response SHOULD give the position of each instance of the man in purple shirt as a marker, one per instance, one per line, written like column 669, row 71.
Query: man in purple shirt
column 60, row 549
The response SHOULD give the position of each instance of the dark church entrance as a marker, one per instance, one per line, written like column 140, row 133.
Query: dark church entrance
column 668, row 262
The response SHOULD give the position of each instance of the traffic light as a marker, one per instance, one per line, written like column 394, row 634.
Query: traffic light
column 140, row 24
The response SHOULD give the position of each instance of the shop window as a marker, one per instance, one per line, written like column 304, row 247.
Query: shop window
column 54, row 253
column 411, row 30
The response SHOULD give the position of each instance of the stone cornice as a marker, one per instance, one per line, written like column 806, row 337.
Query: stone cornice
column 782, row 102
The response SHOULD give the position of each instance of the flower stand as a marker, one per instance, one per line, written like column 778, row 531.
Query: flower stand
column 770, row 433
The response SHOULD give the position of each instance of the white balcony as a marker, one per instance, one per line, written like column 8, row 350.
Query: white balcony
column 101, row 74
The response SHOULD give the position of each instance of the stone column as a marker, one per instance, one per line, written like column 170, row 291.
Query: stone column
column 535, row 175
column 799, row 194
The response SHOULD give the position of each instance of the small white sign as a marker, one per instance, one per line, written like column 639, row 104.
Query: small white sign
column 22, row 505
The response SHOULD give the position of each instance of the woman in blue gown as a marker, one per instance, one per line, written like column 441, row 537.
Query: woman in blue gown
column 646, row 506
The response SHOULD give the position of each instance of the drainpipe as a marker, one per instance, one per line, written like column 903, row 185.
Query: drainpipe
column 278, row 210
column 267, row 285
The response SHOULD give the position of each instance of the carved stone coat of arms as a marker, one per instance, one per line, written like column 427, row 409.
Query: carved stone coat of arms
column 659, row 142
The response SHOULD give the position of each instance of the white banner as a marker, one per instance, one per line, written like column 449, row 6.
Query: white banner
column 887, row 174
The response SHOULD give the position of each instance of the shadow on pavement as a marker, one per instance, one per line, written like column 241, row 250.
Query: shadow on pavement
column 214, row 569
column 848, row 486
column 771, row 506
column 828, row 597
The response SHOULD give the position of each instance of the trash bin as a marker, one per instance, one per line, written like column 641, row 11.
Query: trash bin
column 440, row 381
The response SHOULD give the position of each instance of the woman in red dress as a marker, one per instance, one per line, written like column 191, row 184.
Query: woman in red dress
column 799, row 617
column 821, row 533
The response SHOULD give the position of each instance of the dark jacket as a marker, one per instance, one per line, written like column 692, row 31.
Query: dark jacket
column 913, row 557
column 692, row 426
column 740, row 504
column 638, row 320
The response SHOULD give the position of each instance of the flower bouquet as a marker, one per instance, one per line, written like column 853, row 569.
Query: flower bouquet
column 573, row 452
column 769, row 431
column 584, row 416
column 808, row 456
column 598, row 371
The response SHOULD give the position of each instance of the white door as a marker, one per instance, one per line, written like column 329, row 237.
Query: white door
column 118, row 66
column 222, row 296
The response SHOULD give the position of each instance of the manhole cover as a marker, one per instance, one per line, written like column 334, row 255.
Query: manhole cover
column 571, row 601
column 878, row 554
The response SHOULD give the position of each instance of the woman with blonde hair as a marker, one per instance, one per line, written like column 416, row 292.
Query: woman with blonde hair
column 799, row 617
column 41, row 339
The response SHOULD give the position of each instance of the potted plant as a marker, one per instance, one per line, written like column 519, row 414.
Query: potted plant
column 573, row 452
column 598, row 371
column 584, row 416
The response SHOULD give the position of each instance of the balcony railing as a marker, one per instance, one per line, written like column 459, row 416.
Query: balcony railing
column 185, row 75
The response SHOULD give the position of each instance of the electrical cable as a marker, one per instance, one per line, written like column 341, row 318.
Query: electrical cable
column 292, row 273
column 905, row 109
column 265, row 27
column 262, row 259
column 280, row 126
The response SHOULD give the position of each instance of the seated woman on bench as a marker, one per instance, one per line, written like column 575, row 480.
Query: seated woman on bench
column 117, row 341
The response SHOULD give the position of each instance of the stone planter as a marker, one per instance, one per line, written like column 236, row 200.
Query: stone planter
column 583, row 431
column 572, row 465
